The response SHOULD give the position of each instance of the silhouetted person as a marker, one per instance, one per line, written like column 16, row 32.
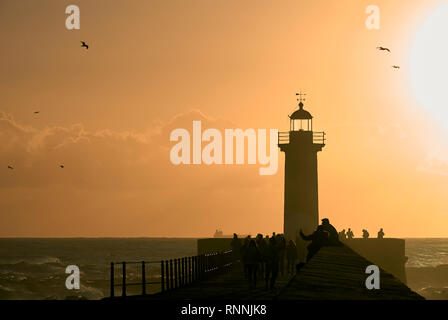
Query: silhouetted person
column 271, row 263
column 342, row 235
column 381, row 234
column 236, row 247
column 262, row 246
column 291, row 256
column 365, row 233
column 281, row 244
column 333, row 237
column 318, row 238
column 252, row 257
column 325, row 235
column 350, row 234
column 243, row 255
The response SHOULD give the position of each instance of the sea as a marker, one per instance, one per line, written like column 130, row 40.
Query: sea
column 35, row 268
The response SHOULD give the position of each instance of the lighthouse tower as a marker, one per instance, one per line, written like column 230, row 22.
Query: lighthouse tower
column 300, row 145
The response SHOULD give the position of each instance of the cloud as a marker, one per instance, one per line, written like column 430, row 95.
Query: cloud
column 123, row 183
column 107, row 158
column 435, row 163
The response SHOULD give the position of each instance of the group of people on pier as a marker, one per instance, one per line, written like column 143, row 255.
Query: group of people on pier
column 267, row 255
column 365, row 234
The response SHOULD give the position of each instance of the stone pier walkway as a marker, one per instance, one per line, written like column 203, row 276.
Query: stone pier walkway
column 334, row 273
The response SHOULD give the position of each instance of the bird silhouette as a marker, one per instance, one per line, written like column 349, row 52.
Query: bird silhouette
column 396, row 67
column 9, row 167
column 61, row 166
column 36, row 112
column 84, row 45
column 383, row 49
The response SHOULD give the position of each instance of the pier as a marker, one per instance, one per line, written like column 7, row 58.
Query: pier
column 333, row 273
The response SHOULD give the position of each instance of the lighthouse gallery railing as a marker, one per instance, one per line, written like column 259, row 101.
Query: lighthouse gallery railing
column 318, row 137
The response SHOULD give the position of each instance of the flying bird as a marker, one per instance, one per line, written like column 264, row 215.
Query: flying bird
column 9, row 167
column 84, row 45
column 61, row 166
column 36, row 112
column 396, row 67
column 383, row 49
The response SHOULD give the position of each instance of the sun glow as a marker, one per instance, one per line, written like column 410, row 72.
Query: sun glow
column 429, row 64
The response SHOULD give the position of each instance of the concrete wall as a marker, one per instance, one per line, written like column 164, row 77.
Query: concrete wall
column 388, row 254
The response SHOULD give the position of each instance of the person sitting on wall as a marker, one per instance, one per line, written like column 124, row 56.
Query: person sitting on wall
column 381, row 234
column 365, row 234
column 333, row 233
column 350, row 234
column 325, row 235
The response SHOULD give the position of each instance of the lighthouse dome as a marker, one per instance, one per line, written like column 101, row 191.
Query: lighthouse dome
column 300, row 114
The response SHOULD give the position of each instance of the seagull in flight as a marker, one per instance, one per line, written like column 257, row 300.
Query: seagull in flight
column 396, row 67
column 61, row 166
column 11, row 168
column 36, row 112
column 84, row 45
column 383, row 49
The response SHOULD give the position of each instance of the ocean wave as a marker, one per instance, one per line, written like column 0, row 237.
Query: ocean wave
column 33, row 261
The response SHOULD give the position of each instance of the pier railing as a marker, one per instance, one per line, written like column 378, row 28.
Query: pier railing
column 170, row 274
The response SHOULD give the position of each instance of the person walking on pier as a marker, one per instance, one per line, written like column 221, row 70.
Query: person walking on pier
column 281, row 243
column 252, row 259
column 350, row 234
column 272, row 262
column 243, row 255
column 365, row 234
column 262, row 245
column 291, row 257
column 342, row 235
column 381, row 234
column 236, row 247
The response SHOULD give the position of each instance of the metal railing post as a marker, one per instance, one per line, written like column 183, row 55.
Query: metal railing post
column 162, row 276
column 112, row 284
column 193, row 269
column 183, row 272
column 143, row 278
column 189, row 270
column 175, row 273
column 171, row 273
column 167, row 275
column 123, row 288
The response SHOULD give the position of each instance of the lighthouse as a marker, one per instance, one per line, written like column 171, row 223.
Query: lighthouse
column 300, row 145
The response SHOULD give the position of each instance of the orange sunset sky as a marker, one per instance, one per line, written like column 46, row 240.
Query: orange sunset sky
column 155, row 65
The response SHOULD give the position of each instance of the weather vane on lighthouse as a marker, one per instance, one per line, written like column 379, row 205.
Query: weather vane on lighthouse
column 301, row 98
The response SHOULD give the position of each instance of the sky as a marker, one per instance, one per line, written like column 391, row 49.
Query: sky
column 152, row 66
